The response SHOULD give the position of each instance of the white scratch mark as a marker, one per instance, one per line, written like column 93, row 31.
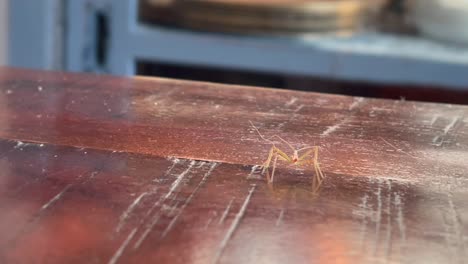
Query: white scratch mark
column 234, row 225
column 174, row 161
column 447, row 232
column 39, row 88
column 201, row 164
column 253, row 171
column 436, row 141
column 299, row 108
column 332, row 129
column 168, row 210
column 388, row 239
column 226, row 212
column 123, row 218
column 434, row 119
column 56, row 197
column 356, row 103
column 19, row 144
column 179, row 179
column 155, row 220
column 451, row 125
column 161, row 200
column 378, row 218
column 9, row 91
column 122, row 247
column 400, row 218
column 292, row 116
column 280, row 218
column 457, row 226
column 147, row 231
column 93, row 175
column 363, row 212
column 208, row 222
column 291, row 102
column 397, row 149
column 189, row 199
column 281, row 125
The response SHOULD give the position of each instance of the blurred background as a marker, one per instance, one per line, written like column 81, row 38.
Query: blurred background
column 414, row 50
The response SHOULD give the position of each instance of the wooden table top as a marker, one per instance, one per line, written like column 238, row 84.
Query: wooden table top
column 97, row 169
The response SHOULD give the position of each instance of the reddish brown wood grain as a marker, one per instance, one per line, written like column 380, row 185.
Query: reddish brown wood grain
column 98, row 169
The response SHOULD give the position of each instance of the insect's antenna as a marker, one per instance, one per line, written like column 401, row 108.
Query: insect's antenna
column 269, row 139
column 287, row 143
column 260, row 134
column 304, row 148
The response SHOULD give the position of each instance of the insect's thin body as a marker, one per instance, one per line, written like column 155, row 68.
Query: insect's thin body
column 309, row 157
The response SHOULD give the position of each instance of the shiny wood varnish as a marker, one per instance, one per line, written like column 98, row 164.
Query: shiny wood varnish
column 98, row 169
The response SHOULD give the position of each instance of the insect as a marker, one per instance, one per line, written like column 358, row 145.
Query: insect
column 309, row 157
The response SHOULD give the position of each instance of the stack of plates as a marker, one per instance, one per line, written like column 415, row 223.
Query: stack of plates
column 441, row 19
column 269, row 16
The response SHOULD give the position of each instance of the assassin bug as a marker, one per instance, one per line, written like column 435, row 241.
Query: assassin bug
column 309, row 157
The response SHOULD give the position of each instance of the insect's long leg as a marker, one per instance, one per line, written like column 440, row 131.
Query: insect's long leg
column 316, row 185
column 318, row 171
column 278, row 154
column 302, row 159
column 318, row 178
column 283, row 156
column 313, row 160
column 274, row 167
column 267, row 162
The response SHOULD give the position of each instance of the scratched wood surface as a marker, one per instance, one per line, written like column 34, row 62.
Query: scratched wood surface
column 100, row 169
